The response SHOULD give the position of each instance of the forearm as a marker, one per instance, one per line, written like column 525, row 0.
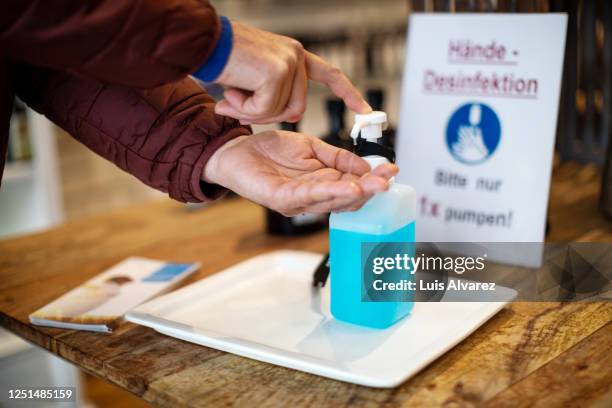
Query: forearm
column 135, row 43
column 164, row 136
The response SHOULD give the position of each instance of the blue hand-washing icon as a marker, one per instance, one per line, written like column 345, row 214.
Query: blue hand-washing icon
column 473, row 133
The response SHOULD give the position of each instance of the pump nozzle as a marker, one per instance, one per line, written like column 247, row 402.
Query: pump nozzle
column 370, row 125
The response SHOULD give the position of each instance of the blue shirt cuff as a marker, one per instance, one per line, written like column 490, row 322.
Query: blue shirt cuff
column 213, row 66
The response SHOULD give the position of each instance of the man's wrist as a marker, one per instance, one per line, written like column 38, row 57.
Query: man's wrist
column 216, row 61
column 211, row 173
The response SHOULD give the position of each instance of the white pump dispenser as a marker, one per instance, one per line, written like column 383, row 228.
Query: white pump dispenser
column 371, row 126
column 387, row 217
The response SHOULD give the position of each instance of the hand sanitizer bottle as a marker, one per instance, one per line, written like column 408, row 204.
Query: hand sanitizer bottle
column 387, row 217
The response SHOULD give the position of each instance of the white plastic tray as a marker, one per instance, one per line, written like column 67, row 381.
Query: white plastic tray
column 266, row 309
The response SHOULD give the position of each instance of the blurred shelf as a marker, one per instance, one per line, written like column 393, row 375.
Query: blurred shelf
column 18, row 170
column 319, row 17
column 30, row 197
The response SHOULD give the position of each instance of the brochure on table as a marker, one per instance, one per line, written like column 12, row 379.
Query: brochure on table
column 100, row 303
column 478, row 116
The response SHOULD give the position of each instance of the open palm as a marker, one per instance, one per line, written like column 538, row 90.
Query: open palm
column 294, row 173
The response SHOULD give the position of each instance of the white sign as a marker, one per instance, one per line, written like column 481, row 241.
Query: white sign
column 477, row 124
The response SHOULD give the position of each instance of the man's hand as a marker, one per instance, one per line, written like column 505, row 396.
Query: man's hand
column 293, row 173
column 266, row 78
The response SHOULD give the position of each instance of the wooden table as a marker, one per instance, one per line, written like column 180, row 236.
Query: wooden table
column 547, row 354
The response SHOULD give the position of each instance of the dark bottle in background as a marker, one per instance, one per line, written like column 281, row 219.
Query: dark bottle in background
column 376, row 98
column 337, row 135
column 606, row 185
column 19, row 145
column 278, row 224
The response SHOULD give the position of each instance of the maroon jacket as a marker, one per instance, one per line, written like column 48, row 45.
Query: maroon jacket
column 113, row 74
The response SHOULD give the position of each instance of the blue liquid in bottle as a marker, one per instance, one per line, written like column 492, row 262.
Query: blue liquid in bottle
column 387, row 217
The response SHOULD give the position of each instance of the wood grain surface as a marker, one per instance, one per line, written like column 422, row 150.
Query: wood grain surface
column 529, row 354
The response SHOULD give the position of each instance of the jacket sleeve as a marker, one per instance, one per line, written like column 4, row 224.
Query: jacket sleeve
column 164, row 135
column 138, row 43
